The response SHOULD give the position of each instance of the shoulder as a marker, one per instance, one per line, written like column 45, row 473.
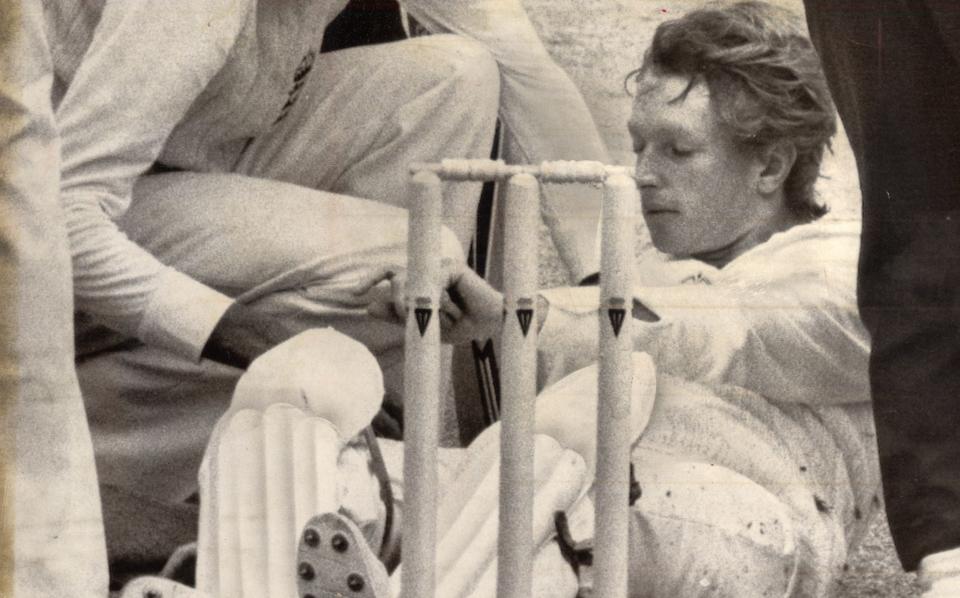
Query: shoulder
column 825, row 244
column 817, row 261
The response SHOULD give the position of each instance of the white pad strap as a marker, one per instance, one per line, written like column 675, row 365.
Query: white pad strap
column 939, row 574
column 264, row 475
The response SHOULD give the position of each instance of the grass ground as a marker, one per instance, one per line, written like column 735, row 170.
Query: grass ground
column 598, row 42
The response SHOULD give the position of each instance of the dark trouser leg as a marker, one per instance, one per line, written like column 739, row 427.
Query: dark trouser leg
column 893, row 69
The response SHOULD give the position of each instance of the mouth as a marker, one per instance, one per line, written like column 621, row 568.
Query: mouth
column 659, row 211
column 657, row 206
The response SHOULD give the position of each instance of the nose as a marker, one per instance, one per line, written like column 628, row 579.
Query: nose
column 644, row 171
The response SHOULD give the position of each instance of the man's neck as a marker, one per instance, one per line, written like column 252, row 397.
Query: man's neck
column 721, row 256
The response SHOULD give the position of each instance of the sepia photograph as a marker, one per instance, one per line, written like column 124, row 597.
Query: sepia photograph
column 480, row 298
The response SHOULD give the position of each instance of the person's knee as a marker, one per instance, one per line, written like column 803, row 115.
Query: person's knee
column 471, row 70
column 704, row 530
column 450, row 246
column 469, row 60
column 672, row 557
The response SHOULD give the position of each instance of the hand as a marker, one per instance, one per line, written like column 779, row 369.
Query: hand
column 242, row 335
column 469, row 307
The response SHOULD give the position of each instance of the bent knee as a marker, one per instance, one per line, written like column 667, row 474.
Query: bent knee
column 672, row 557
column 467, row 59
column 450, row 246
column 704, row 530
column 469, row 66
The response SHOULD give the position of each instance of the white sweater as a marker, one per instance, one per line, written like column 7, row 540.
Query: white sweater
column 762, row 368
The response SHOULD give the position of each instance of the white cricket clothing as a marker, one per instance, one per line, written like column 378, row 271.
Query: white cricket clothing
column 200, row 83
column 762, row 418
column 50, row 521
column 744, row 492
column 271, row 145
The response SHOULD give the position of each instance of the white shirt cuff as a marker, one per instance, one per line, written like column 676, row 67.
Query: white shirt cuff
column 668, row 302
column 181, row 314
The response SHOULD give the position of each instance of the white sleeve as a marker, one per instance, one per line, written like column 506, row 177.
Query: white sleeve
column 797, row 338
column 145, row 66
column 540, row 106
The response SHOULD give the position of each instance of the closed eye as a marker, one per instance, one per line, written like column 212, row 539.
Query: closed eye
column 680, row 152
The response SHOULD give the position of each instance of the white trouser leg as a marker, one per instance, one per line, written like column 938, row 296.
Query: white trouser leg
column 265, row 474
column 939, row 574
column 366, row 113
column 529, row 80
column 703, row 530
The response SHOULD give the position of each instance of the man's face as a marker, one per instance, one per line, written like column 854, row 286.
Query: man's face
column 697, row 187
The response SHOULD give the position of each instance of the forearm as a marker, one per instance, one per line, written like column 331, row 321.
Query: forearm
column 123, row 286
column 795, row 340
column 128, row 289
column 801, row 353
column 640, row 312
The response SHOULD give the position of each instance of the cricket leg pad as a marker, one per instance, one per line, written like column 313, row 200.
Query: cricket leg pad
column 265, row 474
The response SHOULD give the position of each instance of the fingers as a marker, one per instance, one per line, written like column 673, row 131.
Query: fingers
column 458, row 300
column 447, row 324
column 372, row 279
column 399, row 303
column 477, row 299
column 449, row 307
column 384, row 310
column 387, row 304
column 451, row 272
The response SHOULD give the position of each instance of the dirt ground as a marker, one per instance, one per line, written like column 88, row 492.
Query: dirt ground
column 598, row 42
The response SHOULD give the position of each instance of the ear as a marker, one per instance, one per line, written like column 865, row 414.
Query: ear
column 776, row 162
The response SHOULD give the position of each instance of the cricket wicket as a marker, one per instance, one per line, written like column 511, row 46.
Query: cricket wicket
column 519, row 346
